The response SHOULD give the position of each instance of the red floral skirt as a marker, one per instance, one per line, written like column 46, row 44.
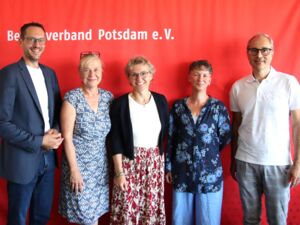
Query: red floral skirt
column 143, row 201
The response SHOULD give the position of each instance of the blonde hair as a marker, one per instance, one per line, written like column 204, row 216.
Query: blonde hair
column 87, row 58
column 137, row 61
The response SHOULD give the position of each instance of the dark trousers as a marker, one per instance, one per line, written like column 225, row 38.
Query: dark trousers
column 35, row 196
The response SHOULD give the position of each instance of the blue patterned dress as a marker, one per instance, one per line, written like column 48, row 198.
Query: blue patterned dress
column 89, row 136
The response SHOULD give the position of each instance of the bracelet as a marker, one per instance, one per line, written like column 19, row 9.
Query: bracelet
column 119, row 174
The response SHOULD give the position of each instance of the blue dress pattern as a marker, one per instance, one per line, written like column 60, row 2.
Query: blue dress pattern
column 89, row 136
column 193, row 149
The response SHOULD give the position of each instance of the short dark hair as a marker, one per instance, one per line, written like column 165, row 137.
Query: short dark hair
column 201, row 63
column 31, row 24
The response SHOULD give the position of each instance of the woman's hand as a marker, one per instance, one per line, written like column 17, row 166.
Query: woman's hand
column 120, row 181
column 76, row 181
column 169, row 178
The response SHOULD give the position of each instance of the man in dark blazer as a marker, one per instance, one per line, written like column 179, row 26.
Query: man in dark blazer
column 29, row 130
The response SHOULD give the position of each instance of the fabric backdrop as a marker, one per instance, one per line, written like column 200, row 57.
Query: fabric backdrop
column 171, row 33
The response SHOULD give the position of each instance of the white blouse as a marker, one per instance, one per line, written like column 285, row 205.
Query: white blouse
column 145, row 122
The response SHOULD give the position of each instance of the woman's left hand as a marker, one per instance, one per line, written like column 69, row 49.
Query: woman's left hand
column 169, row 178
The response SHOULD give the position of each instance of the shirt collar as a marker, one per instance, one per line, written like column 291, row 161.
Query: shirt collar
column 250, row 78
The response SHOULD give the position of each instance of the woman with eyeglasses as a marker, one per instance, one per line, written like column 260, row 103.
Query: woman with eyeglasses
column 85, row 123
column 199, row 128
column 139, row 120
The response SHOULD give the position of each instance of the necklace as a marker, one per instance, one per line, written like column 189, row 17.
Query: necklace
column 141, row 99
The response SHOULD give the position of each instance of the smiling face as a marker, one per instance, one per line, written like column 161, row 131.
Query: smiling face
column 33, row 45
column 140, row 77
column 259, row 56
column 200, row 78
column 90, row 70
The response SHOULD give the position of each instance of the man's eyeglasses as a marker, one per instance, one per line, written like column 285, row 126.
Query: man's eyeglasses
column 89, row 53
column 141, row 74
column 33, row 40
column 263, row 51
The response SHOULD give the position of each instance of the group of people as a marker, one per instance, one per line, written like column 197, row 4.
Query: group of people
column 94, row 129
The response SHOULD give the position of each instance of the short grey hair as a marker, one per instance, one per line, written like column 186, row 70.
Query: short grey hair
column 261, row 35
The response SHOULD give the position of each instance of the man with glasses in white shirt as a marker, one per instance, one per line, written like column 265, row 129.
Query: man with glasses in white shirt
column 29, row 128
column 262, row 104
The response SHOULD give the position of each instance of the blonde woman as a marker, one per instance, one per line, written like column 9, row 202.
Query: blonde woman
column 85, row 122
column 139, row 120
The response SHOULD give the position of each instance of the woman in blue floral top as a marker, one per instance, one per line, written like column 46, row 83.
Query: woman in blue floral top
column 199, row 128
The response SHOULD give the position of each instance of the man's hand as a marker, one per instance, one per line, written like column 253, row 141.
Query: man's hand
column 294, row 175
column 52, row 139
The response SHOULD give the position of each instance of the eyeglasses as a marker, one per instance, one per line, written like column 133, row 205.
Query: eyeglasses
column 203, row 74
column 264, row 51
column 141, row 74
column 89, row 53
column 33, row 40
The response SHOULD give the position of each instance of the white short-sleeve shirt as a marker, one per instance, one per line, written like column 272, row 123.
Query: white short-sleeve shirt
column 264, row 136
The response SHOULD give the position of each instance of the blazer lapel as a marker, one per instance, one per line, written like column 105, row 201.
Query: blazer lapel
column 50, row 93
column 28, row 81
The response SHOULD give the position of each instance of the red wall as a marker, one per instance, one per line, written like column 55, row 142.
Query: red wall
column 215, row 30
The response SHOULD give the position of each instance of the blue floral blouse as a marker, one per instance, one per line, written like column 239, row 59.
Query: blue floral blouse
column 193, row 149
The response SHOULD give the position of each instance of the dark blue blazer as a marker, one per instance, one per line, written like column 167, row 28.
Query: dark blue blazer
column 21, row 121
column 121, row 136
